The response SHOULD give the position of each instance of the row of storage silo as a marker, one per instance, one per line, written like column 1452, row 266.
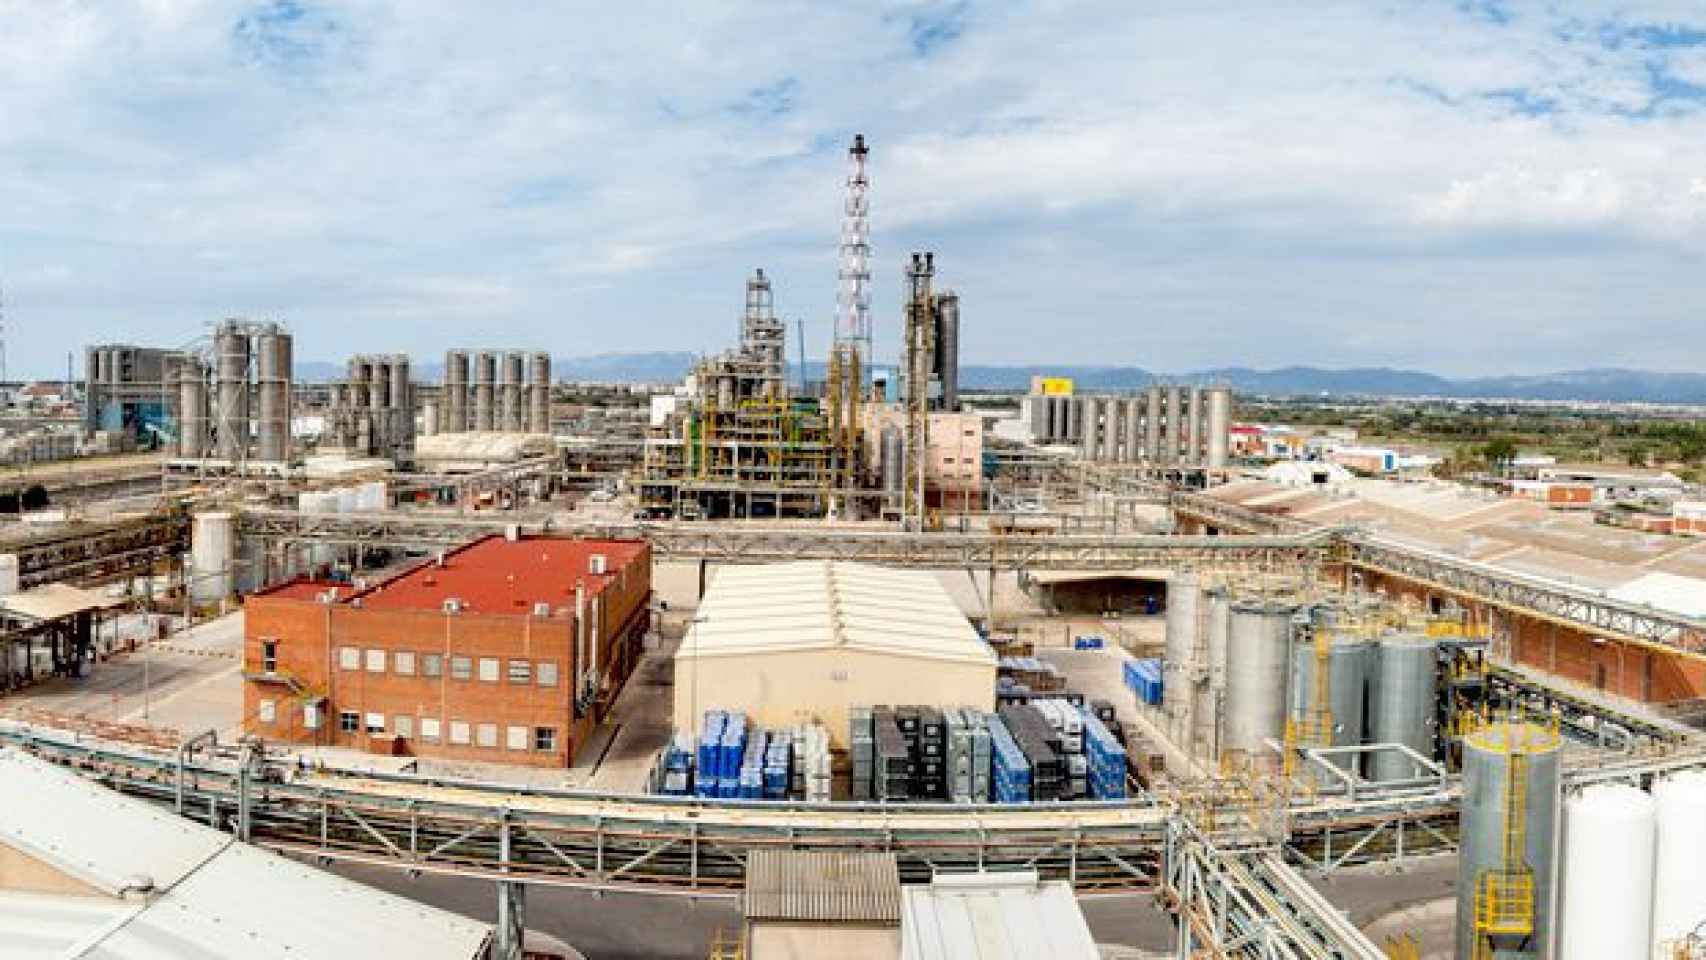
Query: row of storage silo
column 1187, row 426
column 1241, row 665
column 250, row 396
column 509, row 391
column 372, row 413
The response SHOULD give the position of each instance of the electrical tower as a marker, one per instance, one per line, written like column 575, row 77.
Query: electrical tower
column 853, row 300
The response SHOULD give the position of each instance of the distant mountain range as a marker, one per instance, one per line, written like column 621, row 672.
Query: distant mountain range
column 1609, row 385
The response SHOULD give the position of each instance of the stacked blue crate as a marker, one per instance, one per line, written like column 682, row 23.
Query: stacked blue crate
column 1143, row 677
column 1010, row 772
column 1106, row 760
column 709, row 754
column 731, row 749
column 777, row 766
column 677, row 766
column 751, row 776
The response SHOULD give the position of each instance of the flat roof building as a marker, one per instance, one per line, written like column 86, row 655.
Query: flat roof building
column 503, row 651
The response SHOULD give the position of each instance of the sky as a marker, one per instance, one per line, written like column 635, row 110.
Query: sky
column 1470, row 188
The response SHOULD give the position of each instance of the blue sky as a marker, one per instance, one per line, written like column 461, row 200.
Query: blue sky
column 1466, row 187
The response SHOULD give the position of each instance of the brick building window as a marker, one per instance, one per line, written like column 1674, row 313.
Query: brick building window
column 544, row 738
column 432, row 664
column 403, row 726
column 429, row 729
column 375, row 661
column 349, row 721
column 269, row 656
column 547, row 673
column 403, row 663
column 515, row 738
column 489, row 669
column 376, row 723
column 461, row 668
column 520, row 671
column 267, row 711
column 349, row 658
column 459, row 732
column 486, row 735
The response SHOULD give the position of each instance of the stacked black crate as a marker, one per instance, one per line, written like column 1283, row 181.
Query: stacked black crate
column 930, row 782
column 1068, row 724
column 862, row 748
column 893, row 776
column 1105, row 712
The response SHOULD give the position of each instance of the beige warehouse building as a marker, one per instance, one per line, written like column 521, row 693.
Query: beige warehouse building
column 789, row 643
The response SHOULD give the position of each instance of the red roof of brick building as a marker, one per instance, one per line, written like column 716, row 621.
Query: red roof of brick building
column 500, row 576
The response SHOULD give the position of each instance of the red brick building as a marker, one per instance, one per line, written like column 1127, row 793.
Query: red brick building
column 506, row 651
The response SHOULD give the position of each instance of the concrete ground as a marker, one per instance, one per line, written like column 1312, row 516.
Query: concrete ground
column 189, row 682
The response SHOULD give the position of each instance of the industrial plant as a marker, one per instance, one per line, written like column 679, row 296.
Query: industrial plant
column 832, row 656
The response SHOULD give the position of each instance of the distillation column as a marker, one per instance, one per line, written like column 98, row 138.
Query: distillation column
column 231, row 357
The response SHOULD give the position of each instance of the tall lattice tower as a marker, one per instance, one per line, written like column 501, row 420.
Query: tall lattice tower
column 853, row 300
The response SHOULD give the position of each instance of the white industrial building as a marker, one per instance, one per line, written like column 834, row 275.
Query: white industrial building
column 789, row 643
column 85, row 872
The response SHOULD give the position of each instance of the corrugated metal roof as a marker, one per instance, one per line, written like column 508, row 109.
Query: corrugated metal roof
column 812, row 885
column 821, row 603
column 213, row 897
column 54, row 600
column 993, row 916
column 1665, row 591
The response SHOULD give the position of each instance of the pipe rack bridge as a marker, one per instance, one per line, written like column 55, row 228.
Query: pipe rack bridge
column 670, row 844
column 89, row 552
column 743, row 543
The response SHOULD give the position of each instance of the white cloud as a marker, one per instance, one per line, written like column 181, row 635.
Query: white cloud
column 1354, row 175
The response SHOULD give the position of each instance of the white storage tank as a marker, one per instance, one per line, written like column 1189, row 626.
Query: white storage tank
column 1679, row 890
column 1184, row 593
column 212, row 548
column 8, row 574
column 1607, row 905
column 1497, row 804
column 1256, row 660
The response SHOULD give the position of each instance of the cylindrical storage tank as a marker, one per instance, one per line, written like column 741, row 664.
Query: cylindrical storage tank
column 485, row 374
column 539, row 394
column 401, row 402
column 1090, row 417
column 1402, row 704
column 272, row 391
column 455, row 397
column 1256, row 659
column 1350, row 660
column 1679, row 896
column 1219, row 426
column 1184, row 592
column 1218, row 625
column 1172, row 435
column 114, row 366
column 1074, row 419
column 893, row 454
column 1056, row 418
column 1193, row 428
column 948, row 348
column 9, row 579
column 1111, row 428
column 231, row 359
column 429, row 418
column 1152, row 425
column 1489, row 759
column 514, row 369
column 1605, row 908
column 1132, row 451
column 192, row 409
column 212, row 548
